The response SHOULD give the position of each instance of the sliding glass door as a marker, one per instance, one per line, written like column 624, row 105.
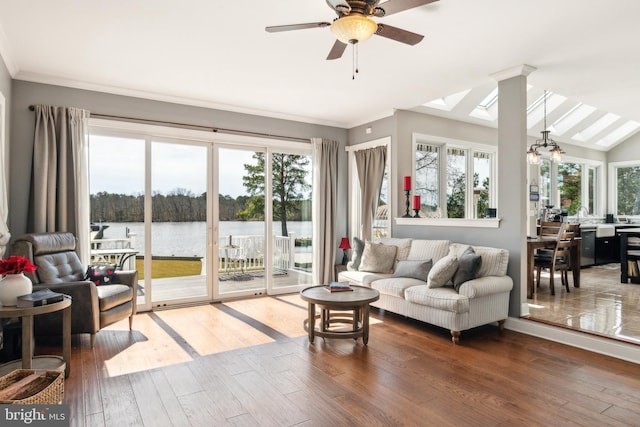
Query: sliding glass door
column 200, row 219
column 241, row 242
column 179, row 228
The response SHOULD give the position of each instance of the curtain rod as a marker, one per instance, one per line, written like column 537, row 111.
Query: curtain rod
column 194, row 127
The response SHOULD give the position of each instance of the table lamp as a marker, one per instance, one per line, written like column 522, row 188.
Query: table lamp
column 344, row 245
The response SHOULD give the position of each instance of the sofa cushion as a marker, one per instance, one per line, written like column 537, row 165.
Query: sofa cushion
column 413, row 269
column 439, row 298
column 468, row 266
column 356, row 254
column 442, row 271
column 110, row 296
column 403, row 245
column 494, row 261
column 360, row 277
column 428, row 249
column 395, row 286
column 378, row 258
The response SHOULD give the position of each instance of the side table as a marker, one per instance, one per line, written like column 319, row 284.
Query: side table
column 40, row 362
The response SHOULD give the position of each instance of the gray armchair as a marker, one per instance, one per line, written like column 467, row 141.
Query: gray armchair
column 59, row 269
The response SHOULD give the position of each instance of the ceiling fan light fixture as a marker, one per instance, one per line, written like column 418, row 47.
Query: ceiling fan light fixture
column 353, row 28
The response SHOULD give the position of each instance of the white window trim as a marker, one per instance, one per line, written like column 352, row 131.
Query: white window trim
column 470, row 147
column 613, row 182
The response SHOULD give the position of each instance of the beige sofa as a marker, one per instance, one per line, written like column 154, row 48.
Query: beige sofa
column 480, row 298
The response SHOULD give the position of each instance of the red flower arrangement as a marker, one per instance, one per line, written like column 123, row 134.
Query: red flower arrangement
column 16, row 265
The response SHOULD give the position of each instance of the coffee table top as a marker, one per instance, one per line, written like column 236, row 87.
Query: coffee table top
column 359, row 296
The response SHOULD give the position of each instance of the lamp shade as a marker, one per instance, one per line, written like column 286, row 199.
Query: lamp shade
column 344, row 243
column 353, row 28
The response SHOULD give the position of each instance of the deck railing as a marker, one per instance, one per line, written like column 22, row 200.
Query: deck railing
column 236, row 253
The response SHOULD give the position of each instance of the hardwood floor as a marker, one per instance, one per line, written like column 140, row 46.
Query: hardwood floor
column 249, row 363
column 601, row 306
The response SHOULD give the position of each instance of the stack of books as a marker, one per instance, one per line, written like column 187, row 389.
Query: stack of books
column 39, row 298
column 338, row 287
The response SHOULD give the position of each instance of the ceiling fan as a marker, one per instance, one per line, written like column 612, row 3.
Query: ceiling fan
column 354, row 23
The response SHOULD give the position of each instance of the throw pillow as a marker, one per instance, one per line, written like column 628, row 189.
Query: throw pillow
column 356, row 254
column 468, row 266
column 378, row 258
column 442, row 271
column 414, row 269
column 100, row 274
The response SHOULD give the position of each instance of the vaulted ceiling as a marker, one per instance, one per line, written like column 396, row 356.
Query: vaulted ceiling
column 218, row 54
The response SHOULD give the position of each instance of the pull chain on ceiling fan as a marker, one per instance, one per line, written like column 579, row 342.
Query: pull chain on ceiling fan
column 354, row 24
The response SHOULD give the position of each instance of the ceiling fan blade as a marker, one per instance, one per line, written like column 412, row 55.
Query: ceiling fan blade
column 278, row 28
column 337, row 50
column 398, row 34
column 395, row 6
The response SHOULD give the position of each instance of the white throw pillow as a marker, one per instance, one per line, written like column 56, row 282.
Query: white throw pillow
column 442, row 271
column 378, row 258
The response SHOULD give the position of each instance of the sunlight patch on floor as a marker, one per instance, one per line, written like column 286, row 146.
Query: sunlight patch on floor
column 274, row 313
column 155, row 348
column 212, row 331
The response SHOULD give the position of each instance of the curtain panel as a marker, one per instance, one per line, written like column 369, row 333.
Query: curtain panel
column 325, row 187
column 371, row 165
column 59, row 194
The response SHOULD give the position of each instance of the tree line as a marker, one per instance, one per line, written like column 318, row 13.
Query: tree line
column 179, row 206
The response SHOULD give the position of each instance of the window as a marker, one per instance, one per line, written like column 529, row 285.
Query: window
column 571, row 185
column 625, row 179
column 454, row 181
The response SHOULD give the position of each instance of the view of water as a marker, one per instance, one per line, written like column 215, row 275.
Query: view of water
column 189, row 238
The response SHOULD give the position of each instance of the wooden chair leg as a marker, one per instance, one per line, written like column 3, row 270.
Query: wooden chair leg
column 551, row 286
column 131, row 322
column 538, row 276
column 565, row 275
column 93, row 340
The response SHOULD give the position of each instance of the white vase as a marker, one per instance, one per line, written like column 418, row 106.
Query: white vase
column 12, row 286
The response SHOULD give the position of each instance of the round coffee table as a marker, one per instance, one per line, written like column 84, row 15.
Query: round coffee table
column 356, row 301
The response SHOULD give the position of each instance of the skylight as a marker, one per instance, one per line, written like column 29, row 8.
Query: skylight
column 617, row 135
column 447, row 103
column 601, row 124
column 488, row 107
column 571, row 118
column 535, row 111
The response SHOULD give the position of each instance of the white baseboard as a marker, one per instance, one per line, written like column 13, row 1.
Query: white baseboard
column 606, row 346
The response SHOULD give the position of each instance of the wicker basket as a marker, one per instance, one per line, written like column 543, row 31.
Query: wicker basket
column 52, row 392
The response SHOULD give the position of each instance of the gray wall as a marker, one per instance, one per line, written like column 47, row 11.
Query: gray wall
column 22, row 125
column 628, row 150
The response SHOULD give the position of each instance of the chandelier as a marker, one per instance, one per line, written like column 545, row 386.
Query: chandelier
column 533, row 156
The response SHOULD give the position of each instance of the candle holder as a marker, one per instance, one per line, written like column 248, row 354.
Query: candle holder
column 417, row 211
column 407, row 204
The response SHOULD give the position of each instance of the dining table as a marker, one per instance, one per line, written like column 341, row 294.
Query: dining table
column 537, row 242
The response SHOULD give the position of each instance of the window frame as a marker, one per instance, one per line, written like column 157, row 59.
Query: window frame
column 470, row 148
column 613, row 185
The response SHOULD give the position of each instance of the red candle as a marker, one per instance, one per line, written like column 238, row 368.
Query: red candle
column 407, row 183
column 416, row 202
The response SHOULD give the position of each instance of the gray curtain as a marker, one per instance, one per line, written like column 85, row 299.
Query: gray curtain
column 371, row 165
column 325, row 187
column 59, row 195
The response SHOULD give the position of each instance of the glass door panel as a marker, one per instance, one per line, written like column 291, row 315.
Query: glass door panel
column 241, row 246
column 179, row 222
column 291, row 225
column 117, row 192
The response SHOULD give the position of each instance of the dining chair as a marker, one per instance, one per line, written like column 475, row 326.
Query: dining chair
column 560, row 259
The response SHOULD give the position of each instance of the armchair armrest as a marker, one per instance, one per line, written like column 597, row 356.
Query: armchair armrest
column 85, row 312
